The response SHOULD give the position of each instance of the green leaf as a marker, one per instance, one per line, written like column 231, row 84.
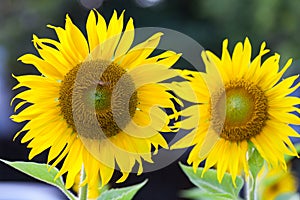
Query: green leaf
column 198, row 194
column 122, row 193
column 42, row 173
column 210, row 185
column 255, row 162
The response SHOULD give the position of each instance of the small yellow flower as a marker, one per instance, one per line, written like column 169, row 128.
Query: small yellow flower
column 94, row 103
column 240, row 101
column 277, row 182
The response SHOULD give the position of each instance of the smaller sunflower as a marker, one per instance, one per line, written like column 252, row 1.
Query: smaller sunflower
column 240, row 101
column 277, row 182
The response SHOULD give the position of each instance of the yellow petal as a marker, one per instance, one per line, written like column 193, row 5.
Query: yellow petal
column 114, row 31
column 246, row 59
column 126, row 40
column 76, row 39
column 91, row 30
column 66, row 46
column 45, row 68
column 52, row 56
column 146, row 74
column 106, row 173
column 140, row 52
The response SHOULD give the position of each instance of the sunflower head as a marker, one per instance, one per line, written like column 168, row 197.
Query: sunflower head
column 241, row 108
column 277, row 182
column 104, row 92
column 95, row 103
column 241, row 101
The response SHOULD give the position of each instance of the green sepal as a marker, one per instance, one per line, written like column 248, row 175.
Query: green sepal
column 256, row 162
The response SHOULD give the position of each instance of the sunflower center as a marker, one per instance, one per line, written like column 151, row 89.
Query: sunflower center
column 239, row 106
column 244, row 107
column 97, row 99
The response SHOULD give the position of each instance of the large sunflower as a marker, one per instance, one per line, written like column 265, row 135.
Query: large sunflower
column 240, row 102
column 93, row 104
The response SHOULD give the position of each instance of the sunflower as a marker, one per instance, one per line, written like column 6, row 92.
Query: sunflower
column 241, row 102
column 95, row 102
column 276, row 182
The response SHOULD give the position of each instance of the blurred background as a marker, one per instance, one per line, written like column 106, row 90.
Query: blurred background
column 207, row 21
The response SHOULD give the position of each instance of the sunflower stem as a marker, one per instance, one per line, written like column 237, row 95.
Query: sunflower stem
column 256, row 163
column 251, row 188
column 83, row 189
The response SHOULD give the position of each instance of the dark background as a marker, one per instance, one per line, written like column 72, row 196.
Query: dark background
column 207, row 21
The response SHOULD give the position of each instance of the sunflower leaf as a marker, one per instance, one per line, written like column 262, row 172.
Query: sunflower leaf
column 122, row 193
column 42, row 173
column 198, row 194
column 208, row 185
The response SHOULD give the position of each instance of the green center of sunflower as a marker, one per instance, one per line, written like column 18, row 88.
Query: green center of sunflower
column 244, row 107
column 97, row 99
column 239, row 106
column 100, row 98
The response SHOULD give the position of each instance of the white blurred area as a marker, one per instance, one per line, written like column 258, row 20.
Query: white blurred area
column 90, row 4
column 29, row 191
column 148, row 3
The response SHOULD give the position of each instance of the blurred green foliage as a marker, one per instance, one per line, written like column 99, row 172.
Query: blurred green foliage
column 273, row 21
column 206, row 21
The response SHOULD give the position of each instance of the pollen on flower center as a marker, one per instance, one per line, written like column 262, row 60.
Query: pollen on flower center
column 97, row 94
column 244, row 108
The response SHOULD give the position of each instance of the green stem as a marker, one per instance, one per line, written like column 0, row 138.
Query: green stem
column 83, row 189
column 251, row 189
column 256, row 163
